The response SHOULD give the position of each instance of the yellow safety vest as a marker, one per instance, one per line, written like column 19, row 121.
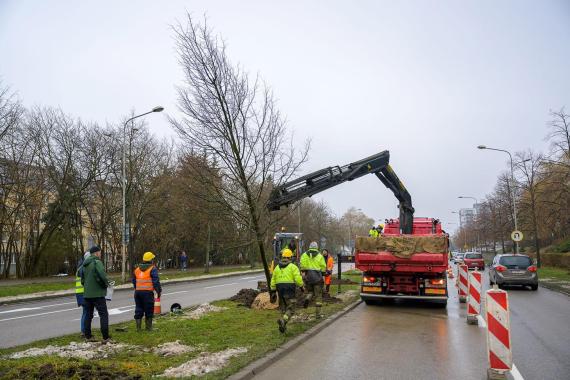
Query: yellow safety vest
column 79, row 289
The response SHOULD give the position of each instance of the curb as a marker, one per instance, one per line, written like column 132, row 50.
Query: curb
column 554, row 288
column 62, row 293
column 253, row 369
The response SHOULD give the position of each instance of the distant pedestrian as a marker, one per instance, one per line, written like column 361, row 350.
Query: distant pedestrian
column 79, row 290
column 183, row 261
column 146, row 282
column 313, row 267
column 285, row 278
column 95, row 281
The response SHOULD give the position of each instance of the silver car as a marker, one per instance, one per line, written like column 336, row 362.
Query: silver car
column 512, row 269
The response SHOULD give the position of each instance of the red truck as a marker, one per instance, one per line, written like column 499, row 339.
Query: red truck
column 409, row 260
column 416, row 275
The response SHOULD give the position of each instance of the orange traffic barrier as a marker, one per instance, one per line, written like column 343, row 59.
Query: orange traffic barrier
column 157, row 309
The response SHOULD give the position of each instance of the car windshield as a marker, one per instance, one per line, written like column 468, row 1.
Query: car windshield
column 515, row 261
column 473, row 256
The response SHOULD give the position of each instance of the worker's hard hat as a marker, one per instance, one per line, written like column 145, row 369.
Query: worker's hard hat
column 148, row 256
column 381, row 225
column 313, row 245
column 286, row 253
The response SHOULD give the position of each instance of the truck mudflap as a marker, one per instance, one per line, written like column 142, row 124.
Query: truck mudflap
column 366, row 296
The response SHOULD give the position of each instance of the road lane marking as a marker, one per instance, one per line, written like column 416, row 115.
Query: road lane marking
column 36, row 315
column 482, row 321
column 58, row 304
column 181, row 291
column 251, row 277
column 516, row 374
column 21, row 309
column 218, row 286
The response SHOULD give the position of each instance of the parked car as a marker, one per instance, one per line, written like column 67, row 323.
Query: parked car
column 458, row 258
column 512, row 269
column 474, row 260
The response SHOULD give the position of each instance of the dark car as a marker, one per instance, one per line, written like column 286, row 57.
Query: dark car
column 513, row 270
column 474, row 260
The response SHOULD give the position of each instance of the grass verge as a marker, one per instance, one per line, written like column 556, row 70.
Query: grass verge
column 234, row 327
column 560, row 274
column 69, row 282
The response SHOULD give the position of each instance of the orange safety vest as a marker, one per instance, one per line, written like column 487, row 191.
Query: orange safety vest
column 330, row 266
column 143, row 279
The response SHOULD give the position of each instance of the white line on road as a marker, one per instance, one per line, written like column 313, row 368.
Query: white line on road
column 36, row 315
column 181, row 291
column 59, row 304
column 515, row 373
column 251, row 277
column 21, row 309
column 218, row 286
column 482, row 322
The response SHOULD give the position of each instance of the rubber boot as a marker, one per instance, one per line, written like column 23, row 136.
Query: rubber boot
column 139, row 324
column 318, row 314
column 148, row 323
column 282, row 325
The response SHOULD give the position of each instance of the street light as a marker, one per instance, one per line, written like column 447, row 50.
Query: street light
column 477, row 228
column 124, row 234
column 516, row 246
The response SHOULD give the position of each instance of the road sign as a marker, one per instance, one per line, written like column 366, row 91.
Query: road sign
column 517, row 236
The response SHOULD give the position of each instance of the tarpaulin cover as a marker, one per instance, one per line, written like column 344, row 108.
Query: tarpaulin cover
column 404, row 246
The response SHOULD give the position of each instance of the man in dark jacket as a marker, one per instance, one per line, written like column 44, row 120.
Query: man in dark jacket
column 95, row 282
column 146, row 282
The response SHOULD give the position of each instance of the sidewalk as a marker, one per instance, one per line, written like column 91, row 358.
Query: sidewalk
column 129, row 286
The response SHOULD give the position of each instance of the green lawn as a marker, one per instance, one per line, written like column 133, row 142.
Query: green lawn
column 555, row 273
column 69, row 283
column 235, row 327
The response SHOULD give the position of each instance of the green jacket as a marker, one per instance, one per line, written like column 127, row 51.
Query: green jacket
column 94, row 278
column 313, row 260
column 286, row 274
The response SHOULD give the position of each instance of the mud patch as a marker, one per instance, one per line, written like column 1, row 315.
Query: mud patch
column 173, row 348
column 245, row 297
column 347, row 296
column 205, row 363
column 85, row 350
column 262, row 302
column 201, row 310
column 85, row 371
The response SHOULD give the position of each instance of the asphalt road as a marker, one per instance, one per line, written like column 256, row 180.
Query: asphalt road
column 412, row 340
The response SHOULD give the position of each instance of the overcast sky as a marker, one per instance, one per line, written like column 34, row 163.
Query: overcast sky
column 426, row 80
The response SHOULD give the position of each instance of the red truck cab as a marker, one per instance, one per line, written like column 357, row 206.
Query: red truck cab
column 388, row 274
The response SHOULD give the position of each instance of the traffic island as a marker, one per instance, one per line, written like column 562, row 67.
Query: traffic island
column 212, row 342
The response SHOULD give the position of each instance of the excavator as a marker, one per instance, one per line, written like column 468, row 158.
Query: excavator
column 386, row 274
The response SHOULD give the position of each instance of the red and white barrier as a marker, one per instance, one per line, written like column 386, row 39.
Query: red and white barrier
column 474, row 297
column 449, row 271
column 463, row 282
column 498, row 334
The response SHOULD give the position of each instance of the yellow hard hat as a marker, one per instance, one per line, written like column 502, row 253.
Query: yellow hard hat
column 286, row 253
column 148, row 256
column 381, row 225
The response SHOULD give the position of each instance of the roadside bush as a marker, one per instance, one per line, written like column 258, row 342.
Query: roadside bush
column 559, row 260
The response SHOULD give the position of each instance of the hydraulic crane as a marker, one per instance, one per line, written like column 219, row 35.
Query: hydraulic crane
column 320, row 180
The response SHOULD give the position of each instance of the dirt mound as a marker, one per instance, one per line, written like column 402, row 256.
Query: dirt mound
column 86, row 350
column 173, row 348
column 262, row 302
column 201, row 310
column 86, row 371
column 206, row 362
column 245, row 297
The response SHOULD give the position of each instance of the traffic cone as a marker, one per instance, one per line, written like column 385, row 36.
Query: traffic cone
column 157, row 309
column 449, row 272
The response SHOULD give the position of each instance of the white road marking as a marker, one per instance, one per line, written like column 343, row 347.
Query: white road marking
column 58, row 304
column 21, row 309
column 117, row 311
column 251, row 277
column 218, row 286
column 482, row 322
column 516, row 374
column 181, row 291
column 36, row 315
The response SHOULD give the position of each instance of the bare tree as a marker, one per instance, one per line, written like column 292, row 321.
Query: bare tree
column 559, row 135
column 234, row 121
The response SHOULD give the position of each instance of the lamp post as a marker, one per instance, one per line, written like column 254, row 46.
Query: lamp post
column 461, row 228
column 516, row 246
column 477, row 228
column 124, row 185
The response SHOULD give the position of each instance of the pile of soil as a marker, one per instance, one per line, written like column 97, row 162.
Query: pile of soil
column 201, row 310
column 262, row 302
column 205, row 362
column 245, row 297
column 84, row 350
column 173, row 348
column 86, row 371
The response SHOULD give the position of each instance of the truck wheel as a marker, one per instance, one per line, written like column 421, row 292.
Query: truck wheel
column 441, row 304
column 534, row 287
column 370, row 302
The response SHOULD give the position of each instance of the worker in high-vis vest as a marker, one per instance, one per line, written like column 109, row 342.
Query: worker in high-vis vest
column 329, row 261
column 146, row 282
column 313, row 268
column 286, row 277
column 79, row 290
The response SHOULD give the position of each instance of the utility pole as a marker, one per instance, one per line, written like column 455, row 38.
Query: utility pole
column 207, row 270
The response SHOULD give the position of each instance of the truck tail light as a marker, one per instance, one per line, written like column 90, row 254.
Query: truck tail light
column 532, row 268
column 435, row 283
column 368, row 279
column 501, row 268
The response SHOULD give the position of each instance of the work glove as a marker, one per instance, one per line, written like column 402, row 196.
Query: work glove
column 272, row 296
column 303, row 289
column 329, row 272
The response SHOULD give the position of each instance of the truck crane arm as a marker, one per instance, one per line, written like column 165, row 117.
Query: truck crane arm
column 320, row 180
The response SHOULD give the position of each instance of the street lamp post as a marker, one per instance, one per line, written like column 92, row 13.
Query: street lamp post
column 477, row 227
column 124, row 185
column 461, row 228
column 516, row 245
